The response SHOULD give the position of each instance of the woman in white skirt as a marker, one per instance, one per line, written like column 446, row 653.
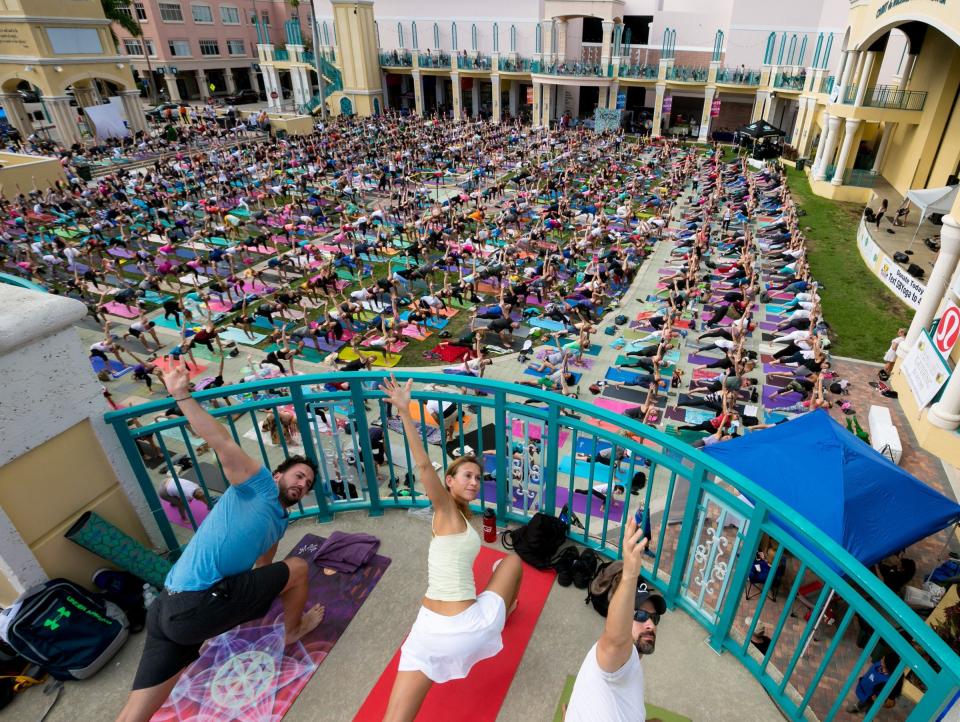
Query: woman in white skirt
column 456, row 628
column 890, row 357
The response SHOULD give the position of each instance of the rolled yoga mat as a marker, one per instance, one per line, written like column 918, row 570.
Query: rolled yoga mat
column 97, row 535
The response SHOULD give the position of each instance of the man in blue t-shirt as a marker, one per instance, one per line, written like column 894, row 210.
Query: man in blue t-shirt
column 226, row 575
column 870, row 685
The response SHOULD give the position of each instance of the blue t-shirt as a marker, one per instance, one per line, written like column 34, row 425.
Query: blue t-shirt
column 246, row 521
column 872, row 682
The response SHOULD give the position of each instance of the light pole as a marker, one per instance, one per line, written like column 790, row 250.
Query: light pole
column 151, row 85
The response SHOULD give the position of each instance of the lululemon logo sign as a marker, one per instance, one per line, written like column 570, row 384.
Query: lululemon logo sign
column 948, row 329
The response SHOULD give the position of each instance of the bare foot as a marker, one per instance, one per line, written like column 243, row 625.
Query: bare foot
column 308, row 623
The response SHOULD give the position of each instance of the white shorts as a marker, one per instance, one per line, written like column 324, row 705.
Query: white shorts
column 445, row 648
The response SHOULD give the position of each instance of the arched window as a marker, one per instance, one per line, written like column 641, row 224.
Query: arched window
column 816, row 50
column 496, row 37
column 826, row 52
column 617, row 34
column 791, row 49
column 718, row 46
column 473, row 37
column 537, row 42
column 783, row 45
column 768, row 53
column 803, row 50
column 436, row 36
column 413, row 34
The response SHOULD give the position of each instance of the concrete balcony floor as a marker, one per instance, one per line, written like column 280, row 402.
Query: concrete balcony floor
column 684, row 675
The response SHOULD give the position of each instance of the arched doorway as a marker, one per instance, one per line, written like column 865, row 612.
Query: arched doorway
column 346, row 107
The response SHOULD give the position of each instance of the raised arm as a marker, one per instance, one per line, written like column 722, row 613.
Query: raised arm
column 616, row 642
column 237, row 466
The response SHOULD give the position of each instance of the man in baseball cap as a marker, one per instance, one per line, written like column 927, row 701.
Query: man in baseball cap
column 609, row 685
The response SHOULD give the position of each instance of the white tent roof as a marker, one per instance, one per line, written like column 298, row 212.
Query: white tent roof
column 933, row 200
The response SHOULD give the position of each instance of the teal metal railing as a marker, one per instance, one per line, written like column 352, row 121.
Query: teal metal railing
column 307, row 57
column 569, row 68
column 826, row 84
column 330, row 72
column 434, row 60
column 737, row 76
column 396, row 59
column 688, row 74
column 520, row 65
column 21, row 282
column 789, row 81
column 640, row 71
column 854, row 177
column 281, row 54
column 469, row 62
column 707, row 523
column 311, row 105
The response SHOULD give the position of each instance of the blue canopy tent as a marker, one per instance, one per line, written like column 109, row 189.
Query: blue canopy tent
column 856, row 496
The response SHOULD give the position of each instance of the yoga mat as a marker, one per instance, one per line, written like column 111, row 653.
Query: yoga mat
column 626, row 394
column 197, row 508
column 116, row 368
column 618, row 375
column 535, row 432
column 165, row 363
column 97, row 535
column 248, row 673
column 698, row 360
column 614, row 405
column 380, row 359
column 769, row 402
column 121, row 310
column 546, row 323
column 477, row 698
column 653, row 712
column 238, row 335
column 601, row 472
column 579, row 504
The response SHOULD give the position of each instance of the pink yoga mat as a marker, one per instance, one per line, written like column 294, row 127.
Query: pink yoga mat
column 197, row 508
column 219, row 306
column 614, row 405
column 535, row 431
column 119, row 309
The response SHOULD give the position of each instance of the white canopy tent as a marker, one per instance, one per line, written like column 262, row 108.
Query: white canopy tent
column 932, row 200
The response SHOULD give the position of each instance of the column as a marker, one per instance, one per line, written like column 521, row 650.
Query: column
column 770, row 109
column 658, row 110
column 418, row 92
column 17, row 116
column 945, row 414
column 385, row 89
column 888, row 128
column 605, row 49
column 514, row 98
column 863, row 80
column 850, row 134
column 134, row 110
column 173, row 89
column 255, row 80
column 546, row 40
column 612, row 95
column 829, row 147
column 496, row 92
column 906, row 71
column 272, row 83
column 705, row 117
column 943, row 269
column 798, row 125
column 457, row 99
column 818, row 158
column 229, row 80
column 299, row 73
column 537, row 120
column 64, row 118
column 850, row 60
column 561, row 49
column 759, row 104
column 202, row 83
column 546, row 105
column 296, row 85
column 475, row 98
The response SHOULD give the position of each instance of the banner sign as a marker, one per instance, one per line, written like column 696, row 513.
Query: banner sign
column 667, row 105
column 895, row 278
column 715, row 108
column 529, row 96
column 605, row 119
column 925, row 370
column 621, row 101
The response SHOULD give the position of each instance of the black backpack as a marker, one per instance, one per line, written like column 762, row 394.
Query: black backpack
column 537, row 541
column 63, row 629
column 620, row 319
column 603, row 585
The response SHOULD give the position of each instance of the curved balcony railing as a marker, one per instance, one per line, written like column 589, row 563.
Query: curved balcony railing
column 281, row 54
column 887, row 96
column 307, row 57
column 540, row 451
column 688, row 74
column 518, row 65
column 433, row 60
column 470, row 62
column 569, row 68
column 738, row 76
column 826, row 84
column 397, row 59
column 640, row 71
column 789, row 81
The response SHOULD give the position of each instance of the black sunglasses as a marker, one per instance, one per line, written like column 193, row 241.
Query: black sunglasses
column 642, row 615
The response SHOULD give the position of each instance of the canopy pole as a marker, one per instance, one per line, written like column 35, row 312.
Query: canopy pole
column 915, row 232
column 816, row 626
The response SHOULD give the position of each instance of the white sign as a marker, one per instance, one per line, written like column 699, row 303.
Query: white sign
column 925, row 370
column 948, row 329
column 895, row 278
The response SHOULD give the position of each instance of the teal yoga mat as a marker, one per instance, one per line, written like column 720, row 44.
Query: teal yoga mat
column 97, row 535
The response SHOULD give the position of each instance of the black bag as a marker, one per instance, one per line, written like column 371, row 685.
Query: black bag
column 537, row 541
column 64, row 630
column 914, row 270
column 620, row 320
column 603, row 585
column 901, row 257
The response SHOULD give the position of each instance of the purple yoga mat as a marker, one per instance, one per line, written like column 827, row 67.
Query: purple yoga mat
column 675, row 413
column 777, row 368
column 770, row 402
column 579, row 505
column 698, row 360
column 321, row 344
column 767, row 326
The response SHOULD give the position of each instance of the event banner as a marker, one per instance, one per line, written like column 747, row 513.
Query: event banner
column 925, row 370
column 605, row 119
column 886, row 269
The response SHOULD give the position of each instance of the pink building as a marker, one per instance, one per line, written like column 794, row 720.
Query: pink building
column 199, row 48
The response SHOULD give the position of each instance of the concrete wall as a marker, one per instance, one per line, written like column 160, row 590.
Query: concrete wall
column 21, row 173
column 57, row 457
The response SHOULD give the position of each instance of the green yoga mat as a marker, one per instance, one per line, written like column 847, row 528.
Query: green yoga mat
column 97, row 535
column 653, row 712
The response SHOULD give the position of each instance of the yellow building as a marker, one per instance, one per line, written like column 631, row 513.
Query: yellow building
column 65, row 54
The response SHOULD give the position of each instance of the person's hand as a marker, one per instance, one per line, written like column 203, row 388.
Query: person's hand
column 177, row 380
column 634, row 545
column 397, row 394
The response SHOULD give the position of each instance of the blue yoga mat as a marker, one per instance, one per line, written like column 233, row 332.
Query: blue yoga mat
column 619, row 375
column 546, row 323
column 115, row 368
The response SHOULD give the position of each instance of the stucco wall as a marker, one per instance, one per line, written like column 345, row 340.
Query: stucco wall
column 22, row 173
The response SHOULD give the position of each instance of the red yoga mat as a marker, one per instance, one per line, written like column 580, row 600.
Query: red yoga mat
column 477, row 698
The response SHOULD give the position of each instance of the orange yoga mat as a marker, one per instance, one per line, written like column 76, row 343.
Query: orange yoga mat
column 165, row 363
column 477, row 698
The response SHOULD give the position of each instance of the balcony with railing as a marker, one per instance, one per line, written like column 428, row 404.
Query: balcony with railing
column 738, row 76
column 854, row 177
column 307, row 57
column 434, row 60
column 572, row 68
column 887, row 96
column 396, row 59
column 281, row 55
column 470, row 62
column 540, row 452
column 790, row 81
column 515, row 65
column 826, row 84
column 688, row 74
column 640, row 71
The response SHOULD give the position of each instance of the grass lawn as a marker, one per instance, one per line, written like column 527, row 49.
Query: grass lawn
column 862, row 313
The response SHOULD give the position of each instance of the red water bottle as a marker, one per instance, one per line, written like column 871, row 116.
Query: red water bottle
column 489, row 526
